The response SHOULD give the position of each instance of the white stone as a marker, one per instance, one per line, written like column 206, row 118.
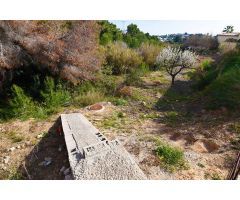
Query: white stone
column 6, row 159
column 12, row 148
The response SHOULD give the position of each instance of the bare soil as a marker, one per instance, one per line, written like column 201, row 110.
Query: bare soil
column 157, row 112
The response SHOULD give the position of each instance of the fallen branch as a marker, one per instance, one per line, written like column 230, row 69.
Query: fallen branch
column 24, row 167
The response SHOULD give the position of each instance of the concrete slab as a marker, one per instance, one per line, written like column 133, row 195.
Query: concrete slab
column 93, row 156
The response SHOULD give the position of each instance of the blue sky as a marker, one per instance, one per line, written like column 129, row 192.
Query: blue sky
column 161, row 27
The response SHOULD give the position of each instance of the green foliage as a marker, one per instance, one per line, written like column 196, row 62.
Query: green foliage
column 107, row 84
column 134, row 77
column 119, row 101
column 172, row 157
column 213, row 176
column 23, row 106
column 228, row 29
column 220, row 82
column 171, row 116
column 117, row 120
column 225, row 90
column 54, row 96
column 134, row 37
column 121, row 58
column 109, row 33
column 88, row 98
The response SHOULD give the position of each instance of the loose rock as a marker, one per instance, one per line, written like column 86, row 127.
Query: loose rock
column 62, row 169
column 12, row 148
column 47, row 161
column 40, row 136
column 28, row 143
column 60, row 148
column 67, row 171
column 6, row 159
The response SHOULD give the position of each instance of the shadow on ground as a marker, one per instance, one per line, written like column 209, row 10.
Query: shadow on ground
column 52, row 146
column 180, row 98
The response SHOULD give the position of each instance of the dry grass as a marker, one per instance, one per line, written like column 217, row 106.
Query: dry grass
column 89, row 98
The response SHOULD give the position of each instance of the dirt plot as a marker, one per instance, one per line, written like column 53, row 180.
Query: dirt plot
column 36, row 149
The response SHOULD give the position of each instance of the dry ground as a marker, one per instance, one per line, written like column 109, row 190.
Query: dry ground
column 156, row 112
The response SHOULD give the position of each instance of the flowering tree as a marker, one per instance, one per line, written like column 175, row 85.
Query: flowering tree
column 174, row 60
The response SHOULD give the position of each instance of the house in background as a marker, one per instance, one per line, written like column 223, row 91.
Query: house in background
column 225, row 37
column 228, row 41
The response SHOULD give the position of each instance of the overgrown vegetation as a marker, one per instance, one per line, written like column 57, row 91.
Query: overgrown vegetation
column 219, row 82
column 49, row 46
column 122, row 59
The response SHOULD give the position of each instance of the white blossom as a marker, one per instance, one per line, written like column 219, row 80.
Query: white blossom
column 174, row 60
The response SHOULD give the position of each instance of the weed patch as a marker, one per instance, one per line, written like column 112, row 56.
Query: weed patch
column 172, row 158
column 13, row 136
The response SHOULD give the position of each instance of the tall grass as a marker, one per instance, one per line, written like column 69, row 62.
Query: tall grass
column 121, row 58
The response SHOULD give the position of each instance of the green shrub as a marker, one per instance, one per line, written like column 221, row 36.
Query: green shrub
column 119, row 101
column 225, row 90
column 107, row 84
column 109, row 33
column 121, row 58
column 54, row 96
column 206, row 79
column 134, row 77
column 220, row 82
column 22, row 106
column 172, row 157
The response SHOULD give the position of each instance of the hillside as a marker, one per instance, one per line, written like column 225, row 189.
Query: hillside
column 177, row 118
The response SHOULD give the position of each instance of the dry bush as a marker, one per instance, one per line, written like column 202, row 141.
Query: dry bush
column 68, row 49
column 88, row 98
column 149, row 52
column 201, row 42
column 125, row 91
column 121, row 58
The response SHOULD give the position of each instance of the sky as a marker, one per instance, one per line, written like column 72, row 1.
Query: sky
column 161, row 27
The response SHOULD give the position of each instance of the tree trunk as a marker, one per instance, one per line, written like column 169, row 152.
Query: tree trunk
column 173, row 80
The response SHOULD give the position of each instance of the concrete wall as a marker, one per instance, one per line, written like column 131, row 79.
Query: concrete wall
column 223, row 38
